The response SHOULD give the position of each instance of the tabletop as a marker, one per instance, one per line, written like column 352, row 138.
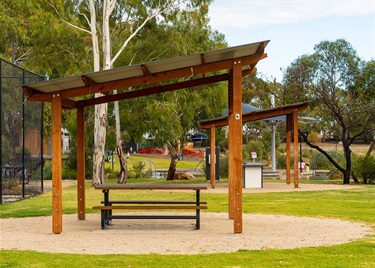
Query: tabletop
column 150, row 186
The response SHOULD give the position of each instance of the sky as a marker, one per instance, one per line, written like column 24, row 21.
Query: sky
column 294, row 27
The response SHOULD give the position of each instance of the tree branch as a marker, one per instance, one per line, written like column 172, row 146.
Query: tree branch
column 67, row 22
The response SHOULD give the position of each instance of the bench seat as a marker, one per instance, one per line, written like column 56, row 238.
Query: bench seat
column 107, row 216
column 148, row 207
column 166, row 202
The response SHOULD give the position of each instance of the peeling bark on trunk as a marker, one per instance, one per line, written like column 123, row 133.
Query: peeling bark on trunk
column 175, row 153
column 100, row 132
column 123, row 177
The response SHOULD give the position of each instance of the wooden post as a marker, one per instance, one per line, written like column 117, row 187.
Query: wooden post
column 56, row 165
column 237, row 144
column 212, row 157
column 230, row 149
column 289, row 124
column 295, row 137
column 81, row 163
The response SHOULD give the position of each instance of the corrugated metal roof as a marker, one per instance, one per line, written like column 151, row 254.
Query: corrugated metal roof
column 153, row 67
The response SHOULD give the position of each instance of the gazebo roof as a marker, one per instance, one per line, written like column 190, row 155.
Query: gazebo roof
column 265, row 114
column 149, row 74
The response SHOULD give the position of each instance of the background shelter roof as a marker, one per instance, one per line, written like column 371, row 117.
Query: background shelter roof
column 248, row 108
column 152, row 74
column 256, row 115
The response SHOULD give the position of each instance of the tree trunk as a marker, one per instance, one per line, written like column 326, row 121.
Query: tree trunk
column 100, row 132
column 347, row 171
column 175, row 153
column 371, row 148
column 123, row 177
column 117, row 120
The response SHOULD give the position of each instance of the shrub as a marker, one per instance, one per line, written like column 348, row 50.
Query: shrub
column 281, row 162
column 69, row 174
column 71, row 161
column 223, row 167
column 138, row 167
column 253, row 146
column 313, row 137
column 364, row 168
column 47, row 170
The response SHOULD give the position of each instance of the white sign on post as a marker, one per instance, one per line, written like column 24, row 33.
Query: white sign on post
column 253, row 156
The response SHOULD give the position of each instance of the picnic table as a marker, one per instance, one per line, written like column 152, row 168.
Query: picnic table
column 108, row 205
column 14, row 172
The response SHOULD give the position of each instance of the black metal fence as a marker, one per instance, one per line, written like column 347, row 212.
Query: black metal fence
column 21, row 142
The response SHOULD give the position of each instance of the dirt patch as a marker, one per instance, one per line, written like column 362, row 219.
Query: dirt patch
column 176, row 236
column 179, row 236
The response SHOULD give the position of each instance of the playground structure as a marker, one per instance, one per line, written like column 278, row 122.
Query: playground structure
column 325, row 173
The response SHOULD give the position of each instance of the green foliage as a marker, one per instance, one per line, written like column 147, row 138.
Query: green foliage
column 138, row 168
column 321, row 162
column 71, row 161
column 223, row 167
column 5, row 150
column 339, row 87
column 69, row 174
column 281, row 161
column 111, row 174
column 47, row 170
column 253, row 146
column 314, row 137
column 364, row 168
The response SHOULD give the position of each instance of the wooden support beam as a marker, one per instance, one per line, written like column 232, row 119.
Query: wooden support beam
column 212, row 157
column 56, row 164
column 81, row 163
column 230, row 149
column 154, row 90
column 295, row 137
column 237, row 144
column 289, row 124
column 203, row 61
column 69, row 104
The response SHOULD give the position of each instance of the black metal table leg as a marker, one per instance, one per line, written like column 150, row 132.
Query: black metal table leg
column 197, row 211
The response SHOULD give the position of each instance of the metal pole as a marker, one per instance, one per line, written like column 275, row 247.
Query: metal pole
column 23, row 136
column 41, row 148
column 273, row 146
column 273, row 138
column 300, row 156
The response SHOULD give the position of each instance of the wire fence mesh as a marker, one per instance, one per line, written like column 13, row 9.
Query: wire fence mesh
column 21, row 141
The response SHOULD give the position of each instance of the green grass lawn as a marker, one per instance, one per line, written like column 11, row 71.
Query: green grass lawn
column 356, row 205
column 159, row 163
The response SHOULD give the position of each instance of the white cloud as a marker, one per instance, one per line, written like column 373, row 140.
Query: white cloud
column 250, row 14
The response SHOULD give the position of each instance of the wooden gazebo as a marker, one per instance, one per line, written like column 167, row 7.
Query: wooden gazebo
column 229, row 64
column 291, row 112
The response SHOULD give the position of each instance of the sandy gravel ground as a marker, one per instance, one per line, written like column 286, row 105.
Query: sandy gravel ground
column 179, row 236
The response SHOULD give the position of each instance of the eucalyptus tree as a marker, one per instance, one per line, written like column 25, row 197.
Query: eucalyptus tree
column 329, row 78
column 169, row 116
column 112, row 25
